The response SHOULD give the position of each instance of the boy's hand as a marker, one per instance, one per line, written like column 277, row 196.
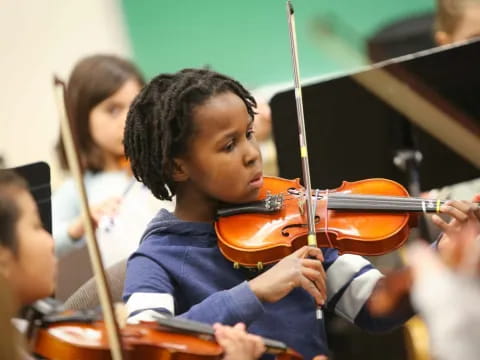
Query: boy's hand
column 464, row 225
column 303, row 268
column 237, row 343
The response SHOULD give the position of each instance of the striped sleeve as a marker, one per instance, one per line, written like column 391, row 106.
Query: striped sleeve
column 350, row 282
column 149, row 291
column 144, row 306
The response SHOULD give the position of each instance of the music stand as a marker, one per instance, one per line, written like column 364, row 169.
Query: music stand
column 37, row 176
column 354, row 134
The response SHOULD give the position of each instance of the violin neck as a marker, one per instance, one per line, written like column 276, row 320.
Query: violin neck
column 382, row 203
column 194, row 327
column 340, row 201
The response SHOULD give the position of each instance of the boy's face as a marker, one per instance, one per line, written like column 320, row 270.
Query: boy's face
column 32, row 270
column 223, row 160
column 468, row 27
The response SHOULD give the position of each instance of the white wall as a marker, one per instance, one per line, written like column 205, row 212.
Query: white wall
column 38, row 39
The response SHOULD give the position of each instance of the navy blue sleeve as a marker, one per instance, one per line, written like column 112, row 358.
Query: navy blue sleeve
column 155, row 293
column 238, row 304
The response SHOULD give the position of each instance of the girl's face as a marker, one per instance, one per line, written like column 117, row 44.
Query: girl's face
column 31, row 271
column 223, row 160
column 107, row 121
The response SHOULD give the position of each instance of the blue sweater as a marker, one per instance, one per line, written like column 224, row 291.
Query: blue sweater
column 178, row 269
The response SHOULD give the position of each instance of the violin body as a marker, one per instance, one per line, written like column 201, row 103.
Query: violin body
column 142, row 341
column 253, row 238
column 70, row 337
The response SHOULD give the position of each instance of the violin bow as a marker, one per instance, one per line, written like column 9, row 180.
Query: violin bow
column 73, row 159
column 312, row 236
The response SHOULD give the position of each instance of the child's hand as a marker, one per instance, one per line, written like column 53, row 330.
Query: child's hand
column 237, row 343
column 108, row 207
column 464, row 225
column 447, row 300
column 303, row 268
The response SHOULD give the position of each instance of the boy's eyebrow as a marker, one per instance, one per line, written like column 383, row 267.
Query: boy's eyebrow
column 233, row 133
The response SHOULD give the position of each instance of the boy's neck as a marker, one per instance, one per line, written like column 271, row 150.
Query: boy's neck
column 192, row 207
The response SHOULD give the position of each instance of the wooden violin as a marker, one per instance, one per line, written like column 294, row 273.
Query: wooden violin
column 367, row 217
column 78, row 336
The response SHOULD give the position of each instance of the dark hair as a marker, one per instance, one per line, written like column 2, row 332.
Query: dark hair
column 159, row 123
column 449, row 13
column 10, row 183
column 93, row 80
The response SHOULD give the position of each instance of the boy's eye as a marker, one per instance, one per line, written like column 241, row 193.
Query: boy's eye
column 250, row 133
column 230, row 146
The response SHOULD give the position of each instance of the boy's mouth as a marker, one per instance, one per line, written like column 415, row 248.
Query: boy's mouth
column 257, row 181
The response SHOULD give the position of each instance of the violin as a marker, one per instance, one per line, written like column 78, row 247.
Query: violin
column 84, row 337
column 367, row 217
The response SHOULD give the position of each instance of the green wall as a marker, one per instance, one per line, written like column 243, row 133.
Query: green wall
column 248, row 39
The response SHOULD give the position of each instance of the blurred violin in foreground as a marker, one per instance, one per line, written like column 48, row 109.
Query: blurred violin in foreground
column 83, row 336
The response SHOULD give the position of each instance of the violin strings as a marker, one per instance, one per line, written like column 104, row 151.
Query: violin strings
column 374, row 202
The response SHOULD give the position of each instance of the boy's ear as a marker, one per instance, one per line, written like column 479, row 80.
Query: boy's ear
column 442, row 38
column 6, row 262
column 179, row 170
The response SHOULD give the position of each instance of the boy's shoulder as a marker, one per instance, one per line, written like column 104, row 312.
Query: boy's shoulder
column 166, row 229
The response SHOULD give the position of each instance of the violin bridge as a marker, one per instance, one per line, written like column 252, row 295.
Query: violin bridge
column 259, row 266
column 236, row 265
column 301, row 205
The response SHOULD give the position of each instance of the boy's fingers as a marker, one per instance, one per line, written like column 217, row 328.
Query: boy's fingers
column 309, row 251
column 318, row 279
column 437, row 220
column 476, row 205
column 314, row 264
column 457, row 210
column 477, row 212
column 314, row 288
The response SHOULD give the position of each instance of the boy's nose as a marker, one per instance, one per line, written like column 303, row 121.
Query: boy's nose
column 252, row 154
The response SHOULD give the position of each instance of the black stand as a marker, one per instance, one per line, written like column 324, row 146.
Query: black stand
column 353, row 134
column 408, row 160
column 37, row 176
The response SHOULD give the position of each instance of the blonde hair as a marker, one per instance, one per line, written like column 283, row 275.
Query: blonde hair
column 450, row 12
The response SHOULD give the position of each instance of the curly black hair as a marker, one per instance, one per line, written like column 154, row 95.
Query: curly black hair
column 159, row 123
